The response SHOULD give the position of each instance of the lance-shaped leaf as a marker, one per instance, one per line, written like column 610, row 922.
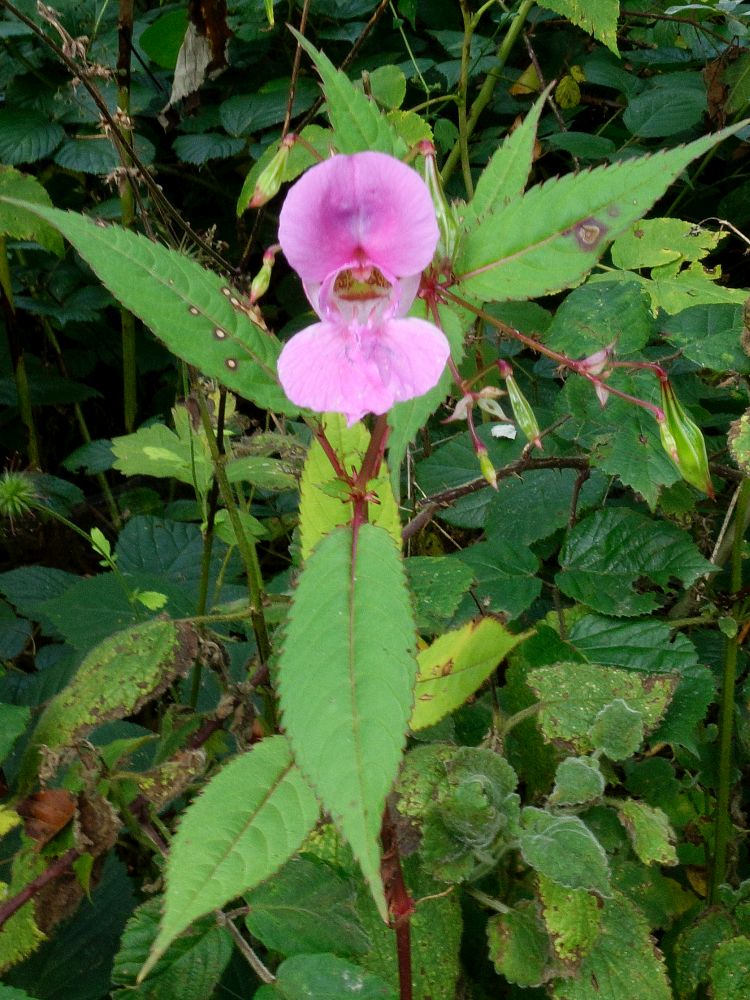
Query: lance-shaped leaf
column 454, row 666
column 346, row 675
column 195, row 312
column 551, row 237
column 249, row 819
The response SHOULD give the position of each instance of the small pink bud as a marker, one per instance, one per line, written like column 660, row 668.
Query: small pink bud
column 271, row 177
column 596, row 363
column 262, row 279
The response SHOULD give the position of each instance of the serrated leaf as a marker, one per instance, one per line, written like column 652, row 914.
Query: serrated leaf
column 437, row 584
column 608, row 551
column 27, row 136
column 285, row 912
column 647, row 645
column 598, row 17
column 17, row 223
column 623, row 961
column 157, row 450
column 13, row 721
column 563, row 849
column 505, row 176
column 91, row 154
column 730, row 970
column 695, row 946
column 266, row 473
column 519, row 946
column 551, row 237
column 577, row 780
column 248, row 820
column 455, row 665
column 189, row 308
column 599, row 315
column 206, row 146
column 572, row 917
column 356, row 121
column 573, row 694
column 737, row 76
column 346, row 675
column 709, row 335
column 324, row 976
column 321, row 512
column 657, row 242
column 116, row 679
column 506, row 573
column 650, row 833
column 675, row 103
column 190, row 969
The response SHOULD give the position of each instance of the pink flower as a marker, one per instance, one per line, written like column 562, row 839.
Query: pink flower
column 359, row 230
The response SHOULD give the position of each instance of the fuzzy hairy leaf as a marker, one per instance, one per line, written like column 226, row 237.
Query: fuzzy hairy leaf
column 572, row 917
column 563, row 849
column 519, row 945
column 551, row 237
column 249, row 819
column 346, row 675
column 117, row 677
column 455, row 665
column 649, row 831
column 191, row 309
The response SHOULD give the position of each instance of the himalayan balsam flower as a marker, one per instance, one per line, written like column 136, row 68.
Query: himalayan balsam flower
column 359, row 230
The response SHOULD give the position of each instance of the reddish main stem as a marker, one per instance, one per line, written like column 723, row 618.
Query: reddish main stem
column 400, row 903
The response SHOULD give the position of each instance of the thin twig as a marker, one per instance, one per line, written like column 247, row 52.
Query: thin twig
column 57, row 868
column 265, row 975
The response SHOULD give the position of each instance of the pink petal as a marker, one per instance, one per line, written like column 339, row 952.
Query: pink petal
column 368, row 208
column 323, row 368
column 329, row 367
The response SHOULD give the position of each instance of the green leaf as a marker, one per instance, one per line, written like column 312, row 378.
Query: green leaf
column 245, row 113
column 601, row 314
column 660, row 242
column 285, row 913
column 538, row 503
column 647, row 645
column 15, row 632
column 608, row 551
column 674, row 103
column 265, row 473
column 623, row 962
column 156, row 450
column 695, row 947
column 660, row 899
column 11, row 993
column 437, row 584
column 248, row 820
column 730, row 970
column 205, row 146
column 320, row 511
column 197, row 315
column 505, row 176
column 116, row 679
column 90, row 154
column 573, row 694
column 346, row 675
column 737, row 77
column 506, row 576
column 551, row 237
column 650, row 833
column 710, row 336
column 388, row 86
column 356, row 121
column 598, row 17
column 17, row 223
column 27, row 136
column 28, row 588
column 572, row 917
column 190, row 969
column 455, row 665
column 163, row 38
column 739, row 442
column 563, row 849
column 577, row 780
column 617, row 730
column 13, row 721
column 519, row 946
column 325, row 977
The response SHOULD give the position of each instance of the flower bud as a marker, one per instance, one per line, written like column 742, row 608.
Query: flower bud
column 522, row 410
column 270, row 179
column 683, row 442
column 262, row 279
column 486, row 467
column 447, row 219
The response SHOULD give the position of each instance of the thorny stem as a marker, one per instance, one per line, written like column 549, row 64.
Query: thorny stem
column 723, row 819
column 487, row 89
column 247, row 550
column 575, row 366
column 127, row 206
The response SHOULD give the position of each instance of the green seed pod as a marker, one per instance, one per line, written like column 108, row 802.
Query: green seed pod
column 487, row 468
column 447, row 219
column 270, row 180
column 522, row 411
column 683, row 442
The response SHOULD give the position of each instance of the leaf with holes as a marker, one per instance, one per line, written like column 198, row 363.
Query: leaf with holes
column 197, row 315
column 346, row 674
column 250, row 818
column 551, row 237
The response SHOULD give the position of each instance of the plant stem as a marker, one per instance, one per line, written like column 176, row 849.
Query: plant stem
column 17, row 360
column 723, row 820
column 11, row 906
column 463, row 89
column 246, row 547
column 265, row 975
column 127, row 205
column 487, row 89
